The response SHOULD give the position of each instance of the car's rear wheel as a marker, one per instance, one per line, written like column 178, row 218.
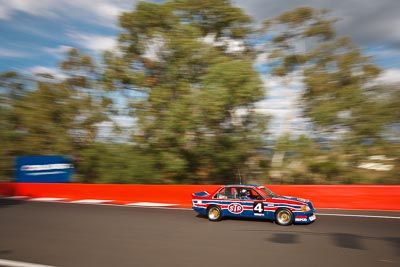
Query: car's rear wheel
column 284, row 217
column 214, row 213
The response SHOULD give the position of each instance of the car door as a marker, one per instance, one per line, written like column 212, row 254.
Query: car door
column 250, row 202
column 268, row 205
column 259, row 205
column 235, row 207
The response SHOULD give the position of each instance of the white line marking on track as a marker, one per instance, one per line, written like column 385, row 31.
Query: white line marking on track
column 9, row 263
column 47, row 199
column 146, row 207
column 16, row 197
column 150, row 204
column 357, row 215
column 91, row 201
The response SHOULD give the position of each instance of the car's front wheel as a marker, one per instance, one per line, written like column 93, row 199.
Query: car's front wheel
column 284, row 217
column 214, row 213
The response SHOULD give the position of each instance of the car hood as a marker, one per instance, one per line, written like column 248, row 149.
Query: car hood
column 305, row 201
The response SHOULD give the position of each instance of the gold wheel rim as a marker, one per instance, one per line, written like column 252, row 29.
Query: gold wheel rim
column 284, row 217
column 214, row 212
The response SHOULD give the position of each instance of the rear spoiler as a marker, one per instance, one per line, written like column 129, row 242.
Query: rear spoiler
column 200, row 194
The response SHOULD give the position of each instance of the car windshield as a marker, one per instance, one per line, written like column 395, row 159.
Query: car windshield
column 266, row 192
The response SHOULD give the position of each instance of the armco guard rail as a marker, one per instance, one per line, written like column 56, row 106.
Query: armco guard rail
column 359, row 197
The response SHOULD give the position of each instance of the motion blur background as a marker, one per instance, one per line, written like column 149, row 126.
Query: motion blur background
column 211, row 91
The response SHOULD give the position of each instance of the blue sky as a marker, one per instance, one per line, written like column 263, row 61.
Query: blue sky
column 34, row 34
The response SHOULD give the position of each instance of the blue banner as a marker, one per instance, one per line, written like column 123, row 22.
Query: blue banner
column 43, row 169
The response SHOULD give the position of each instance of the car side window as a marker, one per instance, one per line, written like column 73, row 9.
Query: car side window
column 248, row 193
column 227, row 193
column 238, row 194
column 256, row 195
column 235, row 193
column 222, row 194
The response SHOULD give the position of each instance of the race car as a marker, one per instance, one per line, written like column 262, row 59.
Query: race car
column 252, row 201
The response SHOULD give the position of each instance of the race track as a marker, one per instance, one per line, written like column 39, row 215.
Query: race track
column 61, row 234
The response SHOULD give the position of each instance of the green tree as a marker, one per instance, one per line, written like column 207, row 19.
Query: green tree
column 196, row 117
column 46, row 115
column 340, row 93
column 59, row 115
column 336, row 74
column 13, row 87
column 92, row 101
column 116, row 163
column 43, row 119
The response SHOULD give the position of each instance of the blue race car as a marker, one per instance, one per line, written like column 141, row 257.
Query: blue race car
column 252, row 201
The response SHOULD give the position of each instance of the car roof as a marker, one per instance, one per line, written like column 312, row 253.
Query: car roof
column 242, row 185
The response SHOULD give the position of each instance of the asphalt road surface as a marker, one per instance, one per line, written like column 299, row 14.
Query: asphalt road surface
column 62, row 235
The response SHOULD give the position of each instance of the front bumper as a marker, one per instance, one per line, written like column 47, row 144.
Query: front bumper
column 304, row 217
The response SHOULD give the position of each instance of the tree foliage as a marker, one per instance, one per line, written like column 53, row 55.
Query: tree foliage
column 337, row 76
column 45, row 115
column 189, row 120
column 340, row 91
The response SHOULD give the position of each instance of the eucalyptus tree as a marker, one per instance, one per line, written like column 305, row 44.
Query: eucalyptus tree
column 336, row 74
column 13, row 86
column 44, row 114
column 340, row 95
column 192, row 70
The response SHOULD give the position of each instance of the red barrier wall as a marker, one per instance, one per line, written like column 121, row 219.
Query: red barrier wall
column 363, row 197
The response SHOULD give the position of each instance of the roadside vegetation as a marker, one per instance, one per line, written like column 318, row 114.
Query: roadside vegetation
column 175, row 102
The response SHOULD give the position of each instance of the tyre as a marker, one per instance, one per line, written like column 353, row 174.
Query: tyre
column 284, row 217
column 214, row 213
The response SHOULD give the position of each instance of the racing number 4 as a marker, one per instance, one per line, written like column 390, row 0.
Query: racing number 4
column 258, row 207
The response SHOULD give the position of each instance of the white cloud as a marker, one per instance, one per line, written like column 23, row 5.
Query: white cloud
column 99, row 12
column 42, row 8
column 106, row 10
column 261, row 59
column 282, row 103
column 58, row 51
column 153, row 48
column 287, row 89
column 232, row 46
column 103, row 12
column 4, row 11
column 124, row 121
column 46, row 70
column 389, row 76
column 12, row 53
column 93, row 42
column 366, row 21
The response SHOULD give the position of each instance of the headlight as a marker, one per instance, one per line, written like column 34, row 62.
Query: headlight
column 305, row 208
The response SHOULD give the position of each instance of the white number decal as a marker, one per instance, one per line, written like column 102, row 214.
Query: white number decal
column 258, row 207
